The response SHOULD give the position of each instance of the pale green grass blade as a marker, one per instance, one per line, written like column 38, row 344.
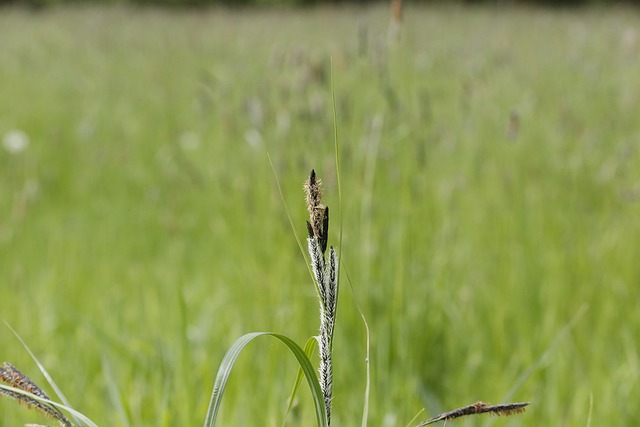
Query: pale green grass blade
column 232, row 355
column 367, row 389
column 590, row 410
column 114, row 393
column 415, row 418
column 48, row 377
column 336, row 141
column 558, row 339
column 293, row 227
column 308, row 349
column 79, row 418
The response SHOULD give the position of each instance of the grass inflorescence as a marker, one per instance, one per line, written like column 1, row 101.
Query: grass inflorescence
column 503, row 409
column 16, row 379
column 325, row 273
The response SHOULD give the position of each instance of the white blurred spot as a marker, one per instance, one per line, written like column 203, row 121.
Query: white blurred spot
column 283, row 122
column 255, row 113
column 253, row 137
column 189, row 141
column 15, row 141
column 390, row 419
column 85, row 130
column 316, row 104
column 629, row 40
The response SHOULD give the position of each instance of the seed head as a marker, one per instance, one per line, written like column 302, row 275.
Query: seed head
column 318, row 224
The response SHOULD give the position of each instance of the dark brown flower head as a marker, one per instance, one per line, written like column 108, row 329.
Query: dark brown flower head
column 16, row 379
column 313, row 191
column 318, row 224
column 12, row 376
column 479, row 408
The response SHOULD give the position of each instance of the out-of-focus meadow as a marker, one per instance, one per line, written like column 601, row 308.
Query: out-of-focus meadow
column 491, row 177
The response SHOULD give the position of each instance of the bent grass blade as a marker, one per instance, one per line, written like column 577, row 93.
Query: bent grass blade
column 308, row 349
column 232, row 355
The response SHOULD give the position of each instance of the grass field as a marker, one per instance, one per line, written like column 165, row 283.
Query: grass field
column 491, row 179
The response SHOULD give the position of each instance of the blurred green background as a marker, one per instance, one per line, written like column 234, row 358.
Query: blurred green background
column 491, row 179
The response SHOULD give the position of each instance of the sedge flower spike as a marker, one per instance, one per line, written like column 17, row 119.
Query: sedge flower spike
column 11, row 376
column 325, row 273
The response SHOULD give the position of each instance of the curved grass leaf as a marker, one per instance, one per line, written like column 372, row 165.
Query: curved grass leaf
column 117, row 400
column 308, row 350
column 232, row 355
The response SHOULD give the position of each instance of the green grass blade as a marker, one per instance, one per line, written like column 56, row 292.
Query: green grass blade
column 336, row 141
column 232, row 355
column 557, row 340
column 308, row 350
column 367, row 388
column 413, row 420
column 114, row 393
column 293, row 227
column 590, row 410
